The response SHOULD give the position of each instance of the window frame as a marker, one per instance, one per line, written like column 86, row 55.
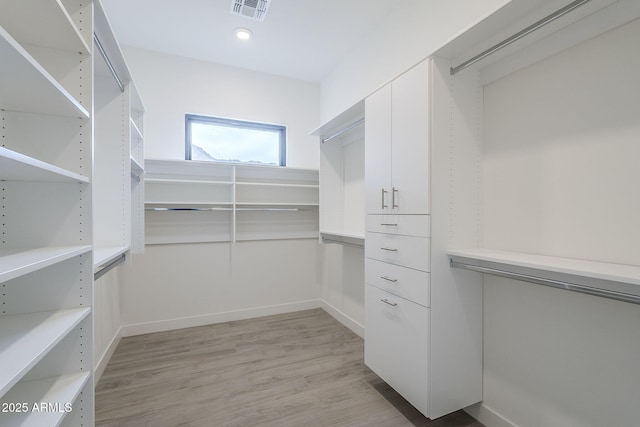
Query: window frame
column 243, row 124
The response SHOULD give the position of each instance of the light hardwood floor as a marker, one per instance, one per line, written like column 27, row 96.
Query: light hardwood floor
column 297, row 369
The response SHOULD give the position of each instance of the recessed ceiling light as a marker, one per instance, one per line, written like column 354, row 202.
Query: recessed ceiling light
column 243, row 33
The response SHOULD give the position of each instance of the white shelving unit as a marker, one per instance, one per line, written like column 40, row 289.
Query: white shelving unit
column 342, row 210
column 573, row 226
column 190, row 201
column 46, row 316
column 119, row 152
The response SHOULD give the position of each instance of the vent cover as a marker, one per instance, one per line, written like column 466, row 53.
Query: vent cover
column 252, row 9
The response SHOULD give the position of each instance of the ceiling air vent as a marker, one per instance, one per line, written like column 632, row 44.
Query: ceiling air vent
column 252, row 9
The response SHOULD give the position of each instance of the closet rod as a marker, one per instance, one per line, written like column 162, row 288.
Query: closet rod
column 341, row 242
column 343, row 130
column 530, row 29
column 619, row 296
column 222, row 209
column 103, row 53
column 106, row 268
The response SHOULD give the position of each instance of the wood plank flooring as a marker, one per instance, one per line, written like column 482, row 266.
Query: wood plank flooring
column 296, row 369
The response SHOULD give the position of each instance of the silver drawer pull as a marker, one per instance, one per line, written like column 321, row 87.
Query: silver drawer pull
column 394, row 205
column 386, row 301
column 389, row 249
column 389, row 224
column 388, row 279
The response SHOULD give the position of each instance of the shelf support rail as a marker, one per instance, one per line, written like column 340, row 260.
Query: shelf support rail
column 104, row 55
column 343, row 130
column 619, row 296
column 517, row 36
column 109, row 266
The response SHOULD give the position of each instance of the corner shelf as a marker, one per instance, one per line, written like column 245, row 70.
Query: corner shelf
column 615, row 281
column 26, row 338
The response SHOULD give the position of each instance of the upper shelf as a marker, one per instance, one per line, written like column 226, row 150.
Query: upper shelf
column 599, row 277
column 26, row 86
column 17, row 167
column 342, row 125
column 50, row 25
column 20, row 261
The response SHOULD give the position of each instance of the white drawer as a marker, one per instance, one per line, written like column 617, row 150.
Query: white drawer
column 395, row 344
column 401, row 281
column 407, row 251
column 406, row 225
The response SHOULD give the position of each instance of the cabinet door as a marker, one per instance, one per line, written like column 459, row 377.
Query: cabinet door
column 410, row 136
column 377, row 151
column 395, row 344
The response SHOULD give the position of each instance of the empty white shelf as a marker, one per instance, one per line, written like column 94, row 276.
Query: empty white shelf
column 342, row 237
column 57, row 391
column 136, row 168
column 184, row 181
column 276, row 184
column 51, row 27
column 27, row 86
column 26, row 338
column 608, row 280
column 18, row 167
column 103, row 255
column 17, row 262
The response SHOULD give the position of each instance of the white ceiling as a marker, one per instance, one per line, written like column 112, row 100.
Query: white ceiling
column 302, row 39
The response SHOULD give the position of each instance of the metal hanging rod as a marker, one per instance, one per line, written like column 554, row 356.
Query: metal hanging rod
column 520, row 34
column 221, row 209
column 107, row 267
column 341, row 242
column 104, row 55
column 619, row 296
column 343, row 130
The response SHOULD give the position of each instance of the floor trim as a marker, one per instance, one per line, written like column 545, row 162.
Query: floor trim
column 209, row 319
column 106, row 356
column 347, row 321
column 488, row 416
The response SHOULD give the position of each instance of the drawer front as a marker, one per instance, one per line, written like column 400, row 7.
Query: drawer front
column 395, row 344
column 406, row 225
column 401, row 281
column 407, row 251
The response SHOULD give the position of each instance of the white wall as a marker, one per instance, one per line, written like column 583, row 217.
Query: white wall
column 407, row 37
column 177, row 286
column 171, row 86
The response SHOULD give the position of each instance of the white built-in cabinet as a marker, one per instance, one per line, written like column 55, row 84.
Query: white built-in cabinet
column 407, row 313
column 118, row 152
column 396, row 155
column 46, row 267
column 67, row 187
column 189, row 201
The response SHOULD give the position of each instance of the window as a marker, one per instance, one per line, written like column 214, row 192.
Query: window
column 226, row 140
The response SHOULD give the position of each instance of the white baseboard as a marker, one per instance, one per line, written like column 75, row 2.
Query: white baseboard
column 208, row 319
column 488, row 416
column 106, row 356
column 347, row 321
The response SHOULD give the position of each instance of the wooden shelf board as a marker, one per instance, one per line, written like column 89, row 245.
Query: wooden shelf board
column 27, row 87
column 18, row 167
column 57, row 390
column 26, row 338
column 16, row 262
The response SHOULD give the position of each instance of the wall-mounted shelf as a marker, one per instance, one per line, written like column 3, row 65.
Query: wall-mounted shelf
column 608, row 280
column 17, row 167
column 104, row 255
column 342, row 238
column 17, row 262
column 27, row 86
column 228, row 202
column 56, row 390
column 26, row 338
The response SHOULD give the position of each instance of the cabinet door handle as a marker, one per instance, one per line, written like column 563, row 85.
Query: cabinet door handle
column 389, row 224
column 384, row 205
column 386, row 301
column 389, row 249
column 388, row 279
column 394, row 190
